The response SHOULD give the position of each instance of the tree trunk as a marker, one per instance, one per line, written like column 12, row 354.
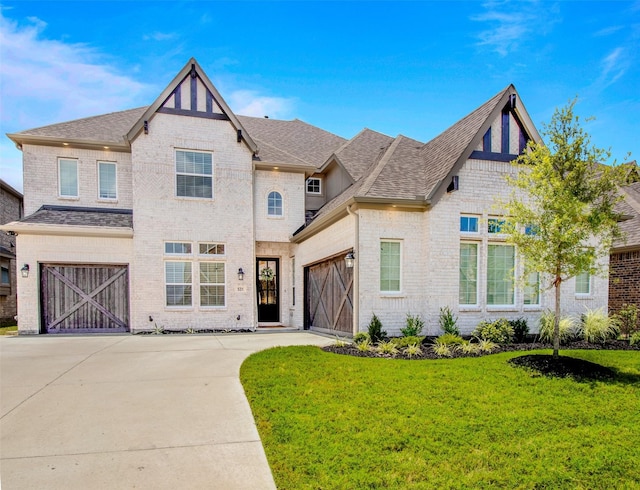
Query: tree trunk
column 556, row 320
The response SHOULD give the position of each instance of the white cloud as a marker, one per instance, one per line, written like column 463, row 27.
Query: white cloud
column 251, row 103
column 510, row 24
column 614, row 66
column 159, row 36
column 607, row 31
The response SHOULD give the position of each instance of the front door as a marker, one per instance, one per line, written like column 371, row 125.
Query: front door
column 267, row 272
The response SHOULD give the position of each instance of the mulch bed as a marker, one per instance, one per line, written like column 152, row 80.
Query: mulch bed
column 563, row 367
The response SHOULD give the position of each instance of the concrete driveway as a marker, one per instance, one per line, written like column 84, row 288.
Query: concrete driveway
column 114, row 412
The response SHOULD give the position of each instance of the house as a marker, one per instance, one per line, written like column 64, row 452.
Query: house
column 10, row 210
column 184, row 215
column 624, row 262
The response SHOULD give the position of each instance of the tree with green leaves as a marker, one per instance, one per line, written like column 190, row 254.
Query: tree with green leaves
column 562, row 215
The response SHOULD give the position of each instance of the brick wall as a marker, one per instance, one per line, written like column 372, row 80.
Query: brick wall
column 624, row 279
column 10, row 210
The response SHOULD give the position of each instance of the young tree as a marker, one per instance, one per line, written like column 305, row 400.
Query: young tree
column 561, row 211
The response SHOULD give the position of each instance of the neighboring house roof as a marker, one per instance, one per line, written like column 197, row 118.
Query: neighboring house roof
column 79, row 216
column 7, row 188
column 6, row 253
column 630, row 207
column 282, row 141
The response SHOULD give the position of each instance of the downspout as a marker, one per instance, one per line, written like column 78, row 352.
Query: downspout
column 356, row 271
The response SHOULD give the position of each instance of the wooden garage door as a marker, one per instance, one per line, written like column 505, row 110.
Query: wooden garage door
column 84, row 298
column 329, row 296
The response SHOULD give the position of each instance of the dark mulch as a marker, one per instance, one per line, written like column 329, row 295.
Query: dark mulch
column 563, row 367
column 427, row 351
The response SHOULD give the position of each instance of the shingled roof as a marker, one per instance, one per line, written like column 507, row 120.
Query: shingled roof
column 80, row 216
column 630, row 207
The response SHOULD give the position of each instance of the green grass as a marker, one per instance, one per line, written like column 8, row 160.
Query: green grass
column 332, row 421
column 8, row 330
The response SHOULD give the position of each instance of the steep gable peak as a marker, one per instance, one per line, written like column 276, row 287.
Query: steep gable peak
column 191, row 93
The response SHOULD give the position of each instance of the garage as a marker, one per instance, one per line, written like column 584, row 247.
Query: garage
column 84, row 298
column 329, row 296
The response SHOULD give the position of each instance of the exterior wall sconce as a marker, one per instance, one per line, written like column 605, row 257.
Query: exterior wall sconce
column 25, row 270
column 240, row 274
column 349, row 260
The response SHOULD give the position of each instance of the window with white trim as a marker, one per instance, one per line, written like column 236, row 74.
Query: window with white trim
column 67, row 177
column 274, row 204
column 194, row 174
column 178, row 283
column 495, row 225
column 500, row 274
column 583, row 283
column 107, row 183
column 532, row 289
column 5, row 277
column 468, row 293
column 314, row 185
column 211, row 249
column 177, row 248
column 212, row 284
column 390, row 266
column 469, row 224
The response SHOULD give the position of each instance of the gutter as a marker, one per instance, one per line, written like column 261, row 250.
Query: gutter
column 20, row 228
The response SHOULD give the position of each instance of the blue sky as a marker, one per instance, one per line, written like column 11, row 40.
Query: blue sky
column 411, row 68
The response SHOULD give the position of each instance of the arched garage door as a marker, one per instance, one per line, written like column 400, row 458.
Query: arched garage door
column 84, row 298
column 329, row 296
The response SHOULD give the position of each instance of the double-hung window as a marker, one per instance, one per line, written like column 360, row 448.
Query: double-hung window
column 468, row 294
column 107, row 184
column 178, row 279
column 500, row 274
column 194, row 174
column 390, row 266
column 67, row 177
column 212, row 284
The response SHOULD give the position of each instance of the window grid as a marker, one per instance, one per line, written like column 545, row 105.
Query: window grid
column 468, row 294
column 68, row 177
column 314, row 185
column 500, row 274
column 390, row 261
column 212, row 284
column 194, row 174
column 178, row 279
column 107, row 180
column 583, row 283
column 274, row 204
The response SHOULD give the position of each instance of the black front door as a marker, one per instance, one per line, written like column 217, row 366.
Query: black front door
column 267, row 272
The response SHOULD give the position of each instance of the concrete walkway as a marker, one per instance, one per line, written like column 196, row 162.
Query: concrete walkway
column 116, row 412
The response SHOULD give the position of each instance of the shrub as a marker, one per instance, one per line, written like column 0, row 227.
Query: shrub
column 376, row 334
column 413, row 327
column 468, row 348
column 500, row 331
column 520, row 329
column 406, row 341
column 387, row 348
column 413, row 350
column 448, row 322
column 442, row 350
column 597, row 326
column 340, row 342
column 487, row 346
column 449, row 339
column 546, row 328
column 364, row 345
column 635, row 338
column 361, row 337
column 628, row 319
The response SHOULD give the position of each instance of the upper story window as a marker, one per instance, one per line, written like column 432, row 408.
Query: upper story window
column 107, row 180
column 68, row 177
column 194, row 174
column 274, row 204
column 469, row 224
column 314, row 185
column 390, row 266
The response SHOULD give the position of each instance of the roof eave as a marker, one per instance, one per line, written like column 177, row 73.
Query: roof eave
column 21, row 228
column 284, row 167
column 22, row 139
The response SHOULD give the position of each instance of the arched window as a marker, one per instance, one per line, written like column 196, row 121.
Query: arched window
column 274, row 204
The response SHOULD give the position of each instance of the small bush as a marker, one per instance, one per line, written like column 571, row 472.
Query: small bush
column 364, row 345
column 487, row 346
column 448, row 322
column 520, row 329
column 468, row 348
column 401, row 342
column 597, row 326
column 442, row 350
column 545, row 333
column 449, row 339
column 628, row 319
column 413, row 350
column 376, row 334
column 414, row 326
column 500, row 331
column 635, row 338
column 361, row 337
column 387, row 348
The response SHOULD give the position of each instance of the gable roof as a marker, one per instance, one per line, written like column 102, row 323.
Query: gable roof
column 630, row 206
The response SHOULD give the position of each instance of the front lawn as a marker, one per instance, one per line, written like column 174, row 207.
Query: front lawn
column 334, row 421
